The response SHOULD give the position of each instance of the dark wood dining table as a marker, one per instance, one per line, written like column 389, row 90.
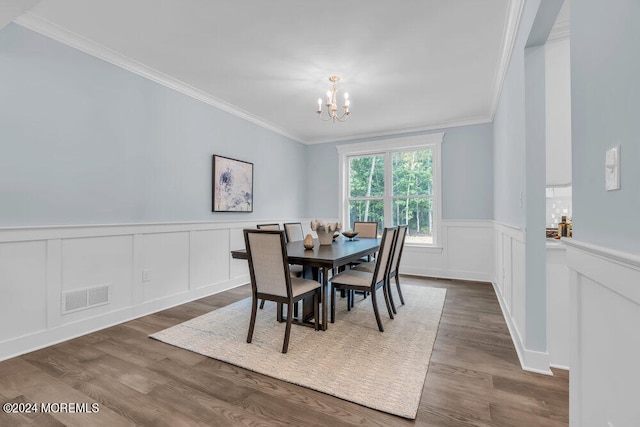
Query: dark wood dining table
column 324, row 258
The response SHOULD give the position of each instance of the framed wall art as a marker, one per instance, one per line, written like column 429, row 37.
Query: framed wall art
column 232, row 185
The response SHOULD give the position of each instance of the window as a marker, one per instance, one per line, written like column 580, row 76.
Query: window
column 393, row 182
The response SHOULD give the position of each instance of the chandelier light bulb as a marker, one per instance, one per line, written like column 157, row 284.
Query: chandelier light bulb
column 332, row 104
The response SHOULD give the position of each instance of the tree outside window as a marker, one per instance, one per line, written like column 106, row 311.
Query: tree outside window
column 393, row 188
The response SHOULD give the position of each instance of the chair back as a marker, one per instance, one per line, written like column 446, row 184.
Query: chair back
column 268, row 266
column 397, row 248
column 268, row 226
column 384, row 254
column 293, row 231
column 367, row 230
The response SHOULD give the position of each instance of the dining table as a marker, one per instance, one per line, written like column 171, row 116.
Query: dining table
column 325, row 258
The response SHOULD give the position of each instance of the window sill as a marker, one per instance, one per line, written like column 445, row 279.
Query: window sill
column 423, row 248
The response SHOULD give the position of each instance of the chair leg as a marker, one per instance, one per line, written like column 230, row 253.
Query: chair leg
column 375, row 311
column 261, row 304
column 333, row 304
column 287, row 331
column 386, row 298
column 349, row 299
column 398, row 286
column 316, row 310
column 393, row 305
column 279, row 312
column 252, row 322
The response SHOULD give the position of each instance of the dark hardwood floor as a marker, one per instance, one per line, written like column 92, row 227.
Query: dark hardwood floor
column 474, row 377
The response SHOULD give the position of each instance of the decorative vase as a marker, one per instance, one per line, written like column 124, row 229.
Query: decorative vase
column 325, row 237
column 308, row 241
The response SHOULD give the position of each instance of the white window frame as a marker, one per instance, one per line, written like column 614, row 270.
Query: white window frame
column 432, row 141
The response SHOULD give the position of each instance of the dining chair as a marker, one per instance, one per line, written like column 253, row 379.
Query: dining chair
column 357, row 280
column 271, row 279
column 296, row 270
column 268, row 226
column 293, row 231
column 394, row 266
column 366, row 229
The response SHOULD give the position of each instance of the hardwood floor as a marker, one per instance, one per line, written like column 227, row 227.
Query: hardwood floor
column 474, row 377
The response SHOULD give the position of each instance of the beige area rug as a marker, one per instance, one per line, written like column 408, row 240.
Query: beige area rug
column 352, row 360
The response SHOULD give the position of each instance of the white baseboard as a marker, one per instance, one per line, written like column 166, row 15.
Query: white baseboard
column 35, row 341
column 530, row 360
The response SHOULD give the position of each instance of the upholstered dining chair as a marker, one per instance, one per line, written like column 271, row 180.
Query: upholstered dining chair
column 394, row 266
column 268, row 226
column 271, row 279
column 366, row 229
column 357, row 280
column 296, row 270
column 293, row 231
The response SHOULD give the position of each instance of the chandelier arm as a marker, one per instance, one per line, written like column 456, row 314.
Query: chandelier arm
column 332, row 104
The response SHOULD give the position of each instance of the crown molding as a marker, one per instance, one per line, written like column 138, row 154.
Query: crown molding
column 393, row 132
column 49, row 29
column 510, row 33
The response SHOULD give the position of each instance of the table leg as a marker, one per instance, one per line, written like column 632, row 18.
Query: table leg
column 325, row 300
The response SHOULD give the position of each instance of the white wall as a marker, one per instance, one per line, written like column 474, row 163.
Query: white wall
column 558, row 111
column 184, row 261
column 466, row 252
column 558, row 306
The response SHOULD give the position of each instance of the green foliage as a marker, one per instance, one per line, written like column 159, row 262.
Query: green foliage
column 366, row 176
column 412, row 180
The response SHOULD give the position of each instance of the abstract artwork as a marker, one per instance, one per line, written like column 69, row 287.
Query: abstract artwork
column 232, row 185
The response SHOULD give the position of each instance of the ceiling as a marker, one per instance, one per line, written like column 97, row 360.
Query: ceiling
column 408, row 66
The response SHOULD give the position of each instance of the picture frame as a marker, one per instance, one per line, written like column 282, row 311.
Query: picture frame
column 232, row 185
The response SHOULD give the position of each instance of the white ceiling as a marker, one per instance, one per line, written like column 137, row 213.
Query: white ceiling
column 409, row 65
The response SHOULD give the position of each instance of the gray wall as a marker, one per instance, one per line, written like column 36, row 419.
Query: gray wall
column 467, row 174
column 509, row 146
column 85, row 142
column 519, row 173
column 535, row 198
column 605, row 99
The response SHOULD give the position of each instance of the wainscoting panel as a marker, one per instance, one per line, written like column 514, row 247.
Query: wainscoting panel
column 466, row 252
column 605, row 343
column 238, row 267
column 123, row 271
column 22, row 288
column 471, row 250
column 510, row 286
column 558, row 319
column 165, row 264
column 209, row 254
column 88, row 263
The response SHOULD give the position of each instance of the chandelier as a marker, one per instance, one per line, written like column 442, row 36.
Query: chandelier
column 332, row 104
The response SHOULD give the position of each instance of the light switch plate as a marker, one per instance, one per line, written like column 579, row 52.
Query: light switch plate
column 612, row 169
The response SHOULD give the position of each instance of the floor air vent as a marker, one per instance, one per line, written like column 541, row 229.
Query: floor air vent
column 85, row 298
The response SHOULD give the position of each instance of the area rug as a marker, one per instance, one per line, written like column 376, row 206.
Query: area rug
column 351, row 360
